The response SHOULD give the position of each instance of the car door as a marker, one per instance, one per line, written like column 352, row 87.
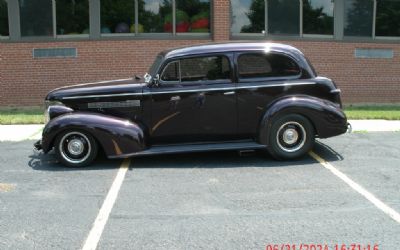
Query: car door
column 262, row 78
column 195, row 101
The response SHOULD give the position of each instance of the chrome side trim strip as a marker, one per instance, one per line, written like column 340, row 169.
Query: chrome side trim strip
column 194, row 90
column 231, row 88
column 98, row 96
column 125, row 104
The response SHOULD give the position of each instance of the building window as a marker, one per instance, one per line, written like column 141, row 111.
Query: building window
column 155, row 16
column 3, row 18
column 36, row 17
column 118, row 16
column 262, row 65
column 193, row 16
column 72, row 17
column 284, row 17
column 388, row 18
column 247, row 16
column 54, row 17
column 359, row 15
column 318, row 17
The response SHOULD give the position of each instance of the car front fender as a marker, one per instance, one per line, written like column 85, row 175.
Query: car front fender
column 117, row 137
column 328, row 119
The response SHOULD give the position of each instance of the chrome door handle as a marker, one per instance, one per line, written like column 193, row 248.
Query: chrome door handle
column 175, row 98
column 229, row 93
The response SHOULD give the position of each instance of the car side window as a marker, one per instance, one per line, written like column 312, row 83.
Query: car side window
column 171, row 72
column 261, row 65
column 208, row 68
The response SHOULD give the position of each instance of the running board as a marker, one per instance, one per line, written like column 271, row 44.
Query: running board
column 191, row 148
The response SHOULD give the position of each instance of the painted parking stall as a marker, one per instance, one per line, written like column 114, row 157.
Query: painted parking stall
column 202, row 200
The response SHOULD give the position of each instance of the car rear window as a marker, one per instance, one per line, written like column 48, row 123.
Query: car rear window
column 261, row 65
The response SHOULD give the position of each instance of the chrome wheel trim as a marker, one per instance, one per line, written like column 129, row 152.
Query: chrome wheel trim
column 291, row 136
column 83, row 139
column 75, row 147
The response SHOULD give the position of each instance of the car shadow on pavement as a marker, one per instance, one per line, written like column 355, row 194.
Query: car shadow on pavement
column 231, row 159
column 219, row 159
column 48, row 162
column 326, row 152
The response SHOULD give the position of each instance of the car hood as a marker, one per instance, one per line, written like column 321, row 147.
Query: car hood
column 104, row 88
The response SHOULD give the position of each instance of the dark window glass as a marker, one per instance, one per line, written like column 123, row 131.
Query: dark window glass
column 171, row 72
column 155, row 16
column 205, row 68
column 248, row 16
column 193, row 16
column 36, row 17
column 72, row 17
column 3, row 18
column 284, row 17
column 358, row 17
column 318, row 17
column 388, row 18
column 257, row 65
column 118, row 16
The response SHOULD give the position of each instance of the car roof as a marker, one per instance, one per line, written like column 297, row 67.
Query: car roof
column 231, row 47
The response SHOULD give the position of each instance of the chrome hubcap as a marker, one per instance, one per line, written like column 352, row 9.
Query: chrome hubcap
column 290, row 136
column 75, row 147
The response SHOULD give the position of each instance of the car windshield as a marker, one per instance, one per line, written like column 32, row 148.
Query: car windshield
column 156, row 64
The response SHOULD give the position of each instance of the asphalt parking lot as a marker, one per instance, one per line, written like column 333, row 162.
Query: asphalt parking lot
column 206, row 200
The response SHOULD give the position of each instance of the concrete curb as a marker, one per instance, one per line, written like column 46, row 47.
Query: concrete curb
column 20, row 132
column 33, row 131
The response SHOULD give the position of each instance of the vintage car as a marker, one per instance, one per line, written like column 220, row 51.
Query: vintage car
column 231, row 96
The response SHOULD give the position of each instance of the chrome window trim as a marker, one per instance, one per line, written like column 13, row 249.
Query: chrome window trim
column 193, row 90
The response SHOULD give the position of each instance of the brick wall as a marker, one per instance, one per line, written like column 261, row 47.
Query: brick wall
column 25, row 81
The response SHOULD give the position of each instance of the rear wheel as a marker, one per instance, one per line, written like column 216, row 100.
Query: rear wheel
column 291, row 136
column 75, row 148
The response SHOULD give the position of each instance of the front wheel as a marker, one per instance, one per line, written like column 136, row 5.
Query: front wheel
column 291, row 136
column 75, row 148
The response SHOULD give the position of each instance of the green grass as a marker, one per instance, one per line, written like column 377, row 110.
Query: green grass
column 25, row 115
column 34, row 115
column 385, row 112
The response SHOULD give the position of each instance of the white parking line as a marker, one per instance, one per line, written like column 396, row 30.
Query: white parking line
column 105, row 210
column 369, row 196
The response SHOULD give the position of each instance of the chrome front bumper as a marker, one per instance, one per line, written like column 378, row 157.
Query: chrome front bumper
column 38, row 145
column 349, row 128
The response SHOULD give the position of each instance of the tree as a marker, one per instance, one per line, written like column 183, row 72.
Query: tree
column 388, row 18
column 256, row 16
column 72, row 16
column 36, row 18
column 359, row 18
column 3, row 18
column 315, row 20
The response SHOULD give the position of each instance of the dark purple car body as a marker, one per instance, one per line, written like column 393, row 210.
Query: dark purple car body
column 206, row 97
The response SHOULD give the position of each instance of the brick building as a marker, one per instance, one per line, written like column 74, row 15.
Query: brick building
column 46, row 44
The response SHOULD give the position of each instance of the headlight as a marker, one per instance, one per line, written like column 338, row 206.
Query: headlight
column 54, row 109
column 47, row 105
column 46, row 116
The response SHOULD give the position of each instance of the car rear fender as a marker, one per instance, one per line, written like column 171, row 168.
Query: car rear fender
column 116, row 136
column 328, row 119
